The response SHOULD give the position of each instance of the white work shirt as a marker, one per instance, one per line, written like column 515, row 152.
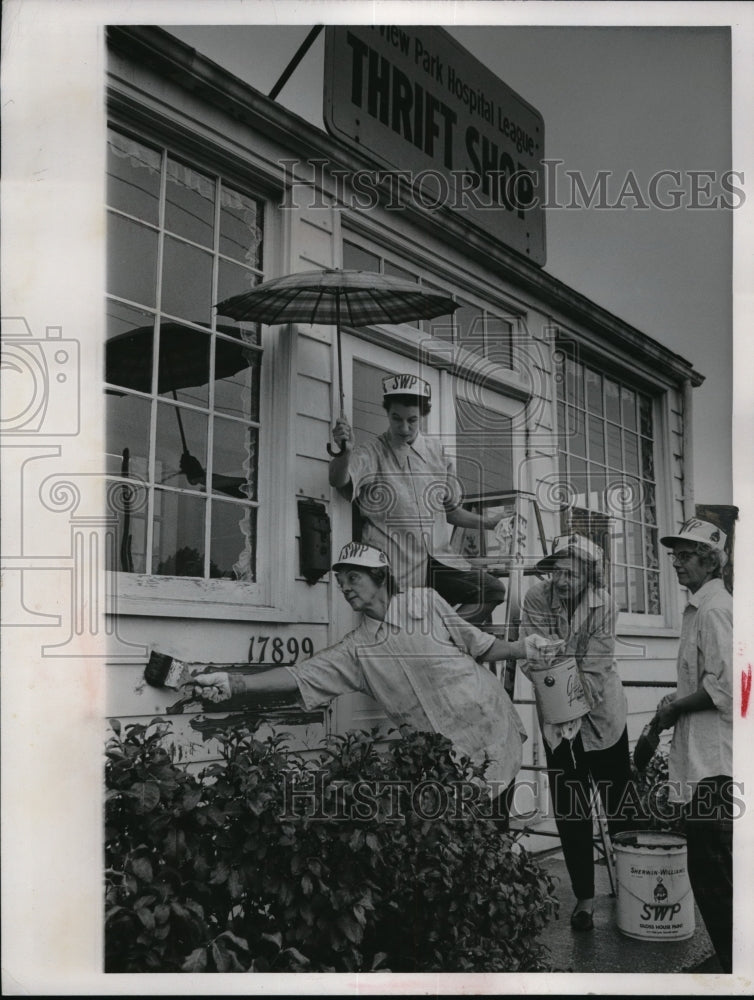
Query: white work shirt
column 702, row 744
column 420, row 665
column 404, row 496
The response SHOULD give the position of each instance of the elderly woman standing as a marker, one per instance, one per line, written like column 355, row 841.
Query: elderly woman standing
column 415, row 656
column 574, row 607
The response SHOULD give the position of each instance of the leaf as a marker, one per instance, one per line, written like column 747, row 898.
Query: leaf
column 350, row 927
column 296, row 955
column 115, row 724
column 276, row 939
column 307, row 884
column 234, row 939
column 221, row 957
column 235, row 884
column 378, row 960
column 196, row 962
column 142, row 868
column 146, row 917
column 146, row 794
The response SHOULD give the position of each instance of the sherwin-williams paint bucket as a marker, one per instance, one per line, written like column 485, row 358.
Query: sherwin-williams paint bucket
column 559, row 692
column 655, row 902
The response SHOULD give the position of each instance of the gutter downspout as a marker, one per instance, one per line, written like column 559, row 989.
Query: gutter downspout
column 689, row 510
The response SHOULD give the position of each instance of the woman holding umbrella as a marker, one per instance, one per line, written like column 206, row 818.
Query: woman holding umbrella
column 403, row 484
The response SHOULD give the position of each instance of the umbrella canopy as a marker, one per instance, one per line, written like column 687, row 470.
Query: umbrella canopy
column 183, row 361
column 336, row 296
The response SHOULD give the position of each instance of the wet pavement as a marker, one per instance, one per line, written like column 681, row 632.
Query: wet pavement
column 605, row 949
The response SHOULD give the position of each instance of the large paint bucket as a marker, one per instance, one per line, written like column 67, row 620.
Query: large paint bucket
column 655, row 902
column 558, row 690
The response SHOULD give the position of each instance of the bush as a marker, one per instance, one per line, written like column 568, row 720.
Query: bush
column 270, row 862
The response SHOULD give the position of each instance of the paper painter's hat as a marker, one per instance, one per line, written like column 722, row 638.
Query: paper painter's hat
column 363, row 556
column 402, row 384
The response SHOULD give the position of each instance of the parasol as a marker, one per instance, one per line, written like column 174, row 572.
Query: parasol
column 183, row 363
column 335, row 296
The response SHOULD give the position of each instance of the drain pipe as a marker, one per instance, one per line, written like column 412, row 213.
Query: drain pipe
column 689, row 510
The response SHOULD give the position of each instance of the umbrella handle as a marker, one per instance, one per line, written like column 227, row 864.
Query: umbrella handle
column 333, row 452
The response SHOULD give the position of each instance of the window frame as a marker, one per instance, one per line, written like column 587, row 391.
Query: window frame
column 635, row 623
column 203, row 597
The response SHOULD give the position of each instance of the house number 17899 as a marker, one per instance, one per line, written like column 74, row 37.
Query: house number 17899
column 279, row 650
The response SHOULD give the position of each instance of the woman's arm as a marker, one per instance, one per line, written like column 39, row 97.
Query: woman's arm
column 218, row 685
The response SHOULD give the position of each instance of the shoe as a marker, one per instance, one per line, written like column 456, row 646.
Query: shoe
column 582, row 920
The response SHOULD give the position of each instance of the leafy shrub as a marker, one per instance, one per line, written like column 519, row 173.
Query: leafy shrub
column 267, row 861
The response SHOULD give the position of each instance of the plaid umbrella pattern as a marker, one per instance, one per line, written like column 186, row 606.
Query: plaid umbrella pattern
column 335, row 296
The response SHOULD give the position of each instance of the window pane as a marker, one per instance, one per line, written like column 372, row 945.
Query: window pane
column 636, row 591
column 469, row 323
column 186, row 282
column 127, row 504
column 596, row 440
column 593, row 391
column 484, row 461
column 620, row 590
column 189, row 204
column 651, row 559
column 635, row 544
column 241, row 232
column 597, row 485
column 612, row 401
column 574, row 383
column 234, row 280
column 178, row 534
column 237, row 393
column 128, row 352
column 578, row 479
column 577, row 443
column 169, row 446
column 131, row 260
column 234, row 464
column 234, row 541
column 358, row 259
column 650, row 505
column 184, row 363
column 628, row 407
column 133, row 177
column 396, row 271
column 613, row 447
column 127, row 426
column 645, row 415
column 647, row 458
column 500, row 340
column 631, row 453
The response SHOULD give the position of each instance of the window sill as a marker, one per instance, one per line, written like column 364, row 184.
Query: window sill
column 222, row 600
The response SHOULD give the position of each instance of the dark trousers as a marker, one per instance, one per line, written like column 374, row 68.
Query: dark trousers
column 569, row 768
column 709, row 843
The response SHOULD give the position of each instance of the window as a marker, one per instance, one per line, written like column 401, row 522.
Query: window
column 182, row 382
column 606, row 456
column 471, row 327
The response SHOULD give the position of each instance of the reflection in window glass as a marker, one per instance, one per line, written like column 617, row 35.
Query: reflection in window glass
column 241, row 231
column 233, row 543
column 484, row 459
column 129, row 353
column 174, row 423
column 127, row 428
column 237, row 392
column 127, row 507
column 133, row 177
column 186, row 281
column 178, row 534
column 189, row 204
column 131, row 260
column 184, row 363
column 234, row 459
column 358, row 259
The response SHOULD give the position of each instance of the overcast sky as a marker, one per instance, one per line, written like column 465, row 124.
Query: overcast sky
column 625, row 99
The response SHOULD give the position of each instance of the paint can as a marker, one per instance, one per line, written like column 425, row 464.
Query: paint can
column 655, row 902
column 558, row 690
